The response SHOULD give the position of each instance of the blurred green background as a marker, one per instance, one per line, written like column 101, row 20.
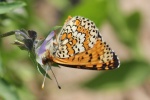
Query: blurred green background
column 124, row 24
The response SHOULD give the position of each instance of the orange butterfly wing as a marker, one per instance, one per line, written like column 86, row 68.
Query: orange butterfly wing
column 78, row 35
column 100, row 57
column 80, row 45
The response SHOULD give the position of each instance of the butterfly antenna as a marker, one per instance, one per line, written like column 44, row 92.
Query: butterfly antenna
column 55, row 78
column 44, row 77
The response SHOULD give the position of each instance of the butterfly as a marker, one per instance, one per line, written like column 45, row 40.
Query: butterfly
column 79, row 44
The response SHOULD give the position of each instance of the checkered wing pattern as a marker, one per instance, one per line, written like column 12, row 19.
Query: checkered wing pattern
column 77, row 35
column 80, row 45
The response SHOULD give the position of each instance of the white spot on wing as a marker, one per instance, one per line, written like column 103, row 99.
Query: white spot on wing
column 65, row 41
column 70, row 26
column 78, row 35
column 82, row 36
column 75, row 33
column 74, row 28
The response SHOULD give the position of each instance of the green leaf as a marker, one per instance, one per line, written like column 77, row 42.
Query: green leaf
column 95, row 10
column 118, row 22
column 129, row 74
column 54, row 28
column 25, row 93
column 6, row 7
column 39, row 67
column 55, row 65
column 42, row 71
column 7, row 91
column 1, row 68
column 133, row 22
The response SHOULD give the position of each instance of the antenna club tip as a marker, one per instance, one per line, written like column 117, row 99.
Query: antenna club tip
column 42, row 86
column 59, row 87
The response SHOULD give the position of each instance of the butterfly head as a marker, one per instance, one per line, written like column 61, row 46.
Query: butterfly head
column 46, row 57
column 44, row 50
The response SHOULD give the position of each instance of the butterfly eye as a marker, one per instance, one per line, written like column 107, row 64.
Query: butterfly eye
column 45, row 60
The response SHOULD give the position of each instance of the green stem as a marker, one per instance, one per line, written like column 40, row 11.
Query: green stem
column 7, row 34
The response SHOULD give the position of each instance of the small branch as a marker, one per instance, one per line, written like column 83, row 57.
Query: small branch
column 7, row 34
